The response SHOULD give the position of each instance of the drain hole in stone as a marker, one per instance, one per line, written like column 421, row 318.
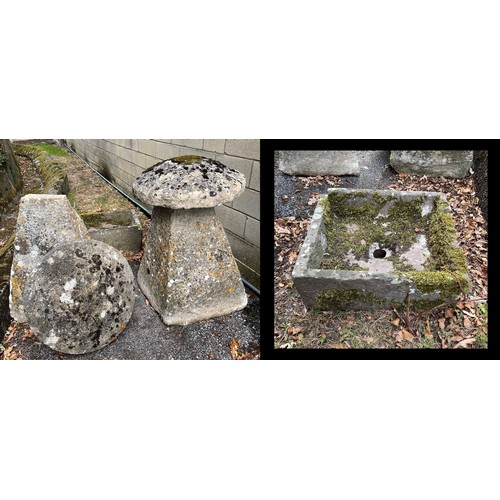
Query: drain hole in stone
column 379, row 253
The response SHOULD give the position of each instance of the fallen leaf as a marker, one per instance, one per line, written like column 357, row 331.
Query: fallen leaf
column 467, row 322
column 449, row 313
column 428, row 333
column 338, row 346
column 395, row 322
column 233, row 346
column 407, row 335
column 441, row 323
column 465, row 343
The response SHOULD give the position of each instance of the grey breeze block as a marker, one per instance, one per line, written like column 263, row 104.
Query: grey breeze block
column 453, row 163
column 319, row 162
column 367, row 282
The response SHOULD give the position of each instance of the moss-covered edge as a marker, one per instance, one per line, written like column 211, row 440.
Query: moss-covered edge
column 446, row 269
column 52, row 171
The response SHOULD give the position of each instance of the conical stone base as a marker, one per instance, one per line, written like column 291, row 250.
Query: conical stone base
column 188, row 272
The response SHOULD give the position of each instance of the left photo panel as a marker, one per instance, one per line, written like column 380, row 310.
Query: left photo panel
column 130, row 249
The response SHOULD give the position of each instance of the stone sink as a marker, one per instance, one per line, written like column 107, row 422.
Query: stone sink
column 376, row 249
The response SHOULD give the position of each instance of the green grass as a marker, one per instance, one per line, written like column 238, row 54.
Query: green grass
column 51, row 149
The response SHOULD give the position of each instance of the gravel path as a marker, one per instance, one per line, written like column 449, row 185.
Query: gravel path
column 146, row 337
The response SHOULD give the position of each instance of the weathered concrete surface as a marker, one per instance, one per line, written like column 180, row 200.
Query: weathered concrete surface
column 319, row 162
column 80, row 296
column 455, row 164
column 188, row 182
column 481, row 180
column 146, row 337
column 43, row 222
column 188, row 272
column 375, row 287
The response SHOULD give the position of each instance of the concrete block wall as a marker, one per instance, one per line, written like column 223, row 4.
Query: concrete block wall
column 122, row 160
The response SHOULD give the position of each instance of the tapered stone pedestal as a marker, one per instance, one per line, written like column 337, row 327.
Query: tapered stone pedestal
column 188, row 272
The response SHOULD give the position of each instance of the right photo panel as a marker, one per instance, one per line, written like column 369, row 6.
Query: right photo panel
column 380, row 250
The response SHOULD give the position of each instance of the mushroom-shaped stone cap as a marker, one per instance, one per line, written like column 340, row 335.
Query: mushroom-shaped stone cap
column 188, row 182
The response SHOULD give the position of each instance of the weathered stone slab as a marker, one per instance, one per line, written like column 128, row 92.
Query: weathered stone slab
column 188, row 272
column 368, row 249
column 455, row 163
column 80, row 296
column 43, row 222
column 319, row 162
column 121, row 229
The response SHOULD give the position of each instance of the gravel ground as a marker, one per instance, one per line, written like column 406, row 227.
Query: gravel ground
column 146, row 337
column 291, row 195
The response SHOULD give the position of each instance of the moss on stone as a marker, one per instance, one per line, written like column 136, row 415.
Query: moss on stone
column 51, row 149
column 187, row 160
column 51, row 170
column 446, row 255
column 340, row 299
column 118, row 218
column 446, row 269
column 354, row 222
column 350, row 225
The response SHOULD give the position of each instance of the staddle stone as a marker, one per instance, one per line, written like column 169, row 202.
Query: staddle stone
column 319, row 162
column 81, row 296
column 188, row 272
column 43, row 222
column 452, row 163
column 188, row 182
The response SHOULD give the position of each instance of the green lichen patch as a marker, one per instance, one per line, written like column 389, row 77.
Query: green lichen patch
column 187, row 160
column 117, row 218
column 354, row 222
column 51, row 149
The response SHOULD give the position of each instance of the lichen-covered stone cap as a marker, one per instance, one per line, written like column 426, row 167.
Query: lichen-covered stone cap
column 188, row 182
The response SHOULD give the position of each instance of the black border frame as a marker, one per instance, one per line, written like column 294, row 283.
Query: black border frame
column 267, row 149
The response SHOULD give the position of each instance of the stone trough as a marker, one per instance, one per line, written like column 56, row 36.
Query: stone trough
column 120, row 229
column 370, row 249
